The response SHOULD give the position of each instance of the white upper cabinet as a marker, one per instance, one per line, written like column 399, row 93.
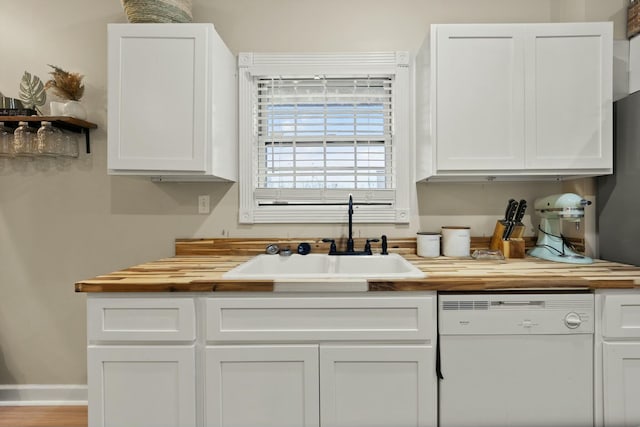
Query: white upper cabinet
column 172, row 102
column 634, row 64
column 515, row 100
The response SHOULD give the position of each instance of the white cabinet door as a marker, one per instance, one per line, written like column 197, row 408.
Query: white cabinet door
column 265, row 386
column 377, row 386
column 621, row 384
column 141, row 386
column 634, row 64
column 158, row 97
column 569, row 96
column 478, row 97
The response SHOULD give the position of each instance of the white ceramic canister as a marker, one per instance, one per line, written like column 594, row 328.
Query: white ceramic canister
column 428, row 244
column 456, row 241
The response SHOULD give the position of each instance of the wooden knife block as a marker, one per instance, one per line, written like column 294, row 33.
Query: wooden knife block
column 518, row 232
column 496, row 238
column 512, row 248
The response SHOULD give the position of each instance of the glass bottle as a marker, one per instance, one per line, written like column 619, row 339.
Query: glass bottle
column 48, row 140
column 6, row 141
column 70, row 145
column 24, row 140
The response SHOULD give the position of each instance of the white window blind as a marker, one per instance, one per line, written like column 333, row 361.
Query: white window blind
column 319, row 138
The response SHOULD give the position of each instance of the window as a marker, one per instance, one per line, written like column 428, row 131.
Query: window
column 315, row 128
column 324, row 133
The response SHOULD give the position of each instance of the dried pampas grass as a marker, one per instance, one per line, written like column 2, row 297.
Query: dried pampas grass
column 64, row 84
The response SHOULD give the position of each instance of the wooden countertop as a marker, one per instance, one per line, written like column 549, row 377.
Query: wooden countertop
column 203, row 273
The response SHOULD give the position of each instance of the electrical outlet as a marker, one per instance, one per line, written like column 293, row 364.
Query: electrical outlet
column 203, row 204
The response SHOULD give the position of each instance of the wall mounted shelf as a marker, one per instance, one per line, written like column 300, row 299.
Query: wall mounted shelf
column 66, row 123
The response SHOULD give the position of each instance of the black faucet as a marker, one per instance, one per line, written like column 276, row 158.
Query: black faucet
column 350, row 250
column 350, row 238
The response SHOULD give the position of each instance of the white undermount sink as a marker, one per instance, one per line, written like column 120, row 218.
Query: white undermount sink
column 322, row 273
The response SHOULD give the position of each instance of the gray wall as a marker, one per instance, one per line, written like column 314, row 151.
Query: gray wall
column 62, row 222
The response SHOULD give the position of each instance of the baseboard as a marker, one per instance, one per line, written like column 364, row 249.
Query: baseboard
column 43, row 395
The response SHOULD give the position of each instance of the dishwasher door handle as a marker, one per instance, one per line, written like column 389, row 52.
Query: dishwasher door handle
column 438, row 359
column 519, row 303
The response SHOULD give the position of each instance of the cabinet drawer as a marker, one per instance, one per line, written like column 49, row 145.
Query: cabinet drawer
column 320, row 318
column 621, row 316
column 140, row 319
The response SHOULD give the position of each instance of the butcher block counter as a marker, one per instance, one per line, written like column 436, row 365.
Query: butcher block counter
column 199, row 265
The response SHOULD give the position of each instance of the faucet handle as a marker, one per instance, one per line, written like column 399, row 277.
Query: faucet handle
column 285, row 252
column 367, row 245
column 272, row 249
column 384, row 245
column 332, row 248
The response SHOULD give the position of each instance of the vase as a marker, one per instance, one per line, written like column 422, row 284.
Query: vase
column 56, row 108
column 75, row 109
column 158, row 10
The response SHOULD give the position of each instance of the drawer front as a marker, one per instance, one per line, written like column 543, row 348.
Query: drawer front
column 320, row 318
column 621, row 316
column 140, row 319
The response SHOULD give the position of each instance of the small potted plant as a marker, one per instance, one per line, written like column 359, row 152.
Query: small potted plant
column 67, row 86
column 32, row 92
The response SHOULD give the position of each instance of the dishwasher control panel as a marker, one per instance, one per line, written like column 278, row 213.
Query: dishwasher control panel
column 492, row 314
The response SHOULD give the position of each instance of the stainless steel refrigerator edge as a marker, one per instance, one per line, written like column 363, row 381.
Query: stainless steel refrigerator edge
column 618, row 195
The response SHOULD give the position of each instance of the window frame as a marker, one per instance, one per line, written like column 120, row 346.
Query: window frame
column 326, row 206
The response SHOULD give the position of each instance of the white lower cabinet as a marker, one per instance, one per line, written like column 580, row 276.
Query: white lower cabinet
column 299, row 385
column 620, row 343
column 141, row 386
column 141, row 360
column 259, row 360
column 262, row 385
column 377, row 385
column 321, row 361
column 621, row 367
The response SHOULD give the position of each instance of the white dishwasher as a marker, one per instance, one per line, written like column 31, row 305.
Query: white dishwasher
column 516, row 359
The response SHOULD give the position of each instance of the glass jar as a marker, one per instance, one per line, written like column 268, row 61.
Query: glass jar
column 49, row 139
column 24, row 140
column 70, row 144
column 6, row 141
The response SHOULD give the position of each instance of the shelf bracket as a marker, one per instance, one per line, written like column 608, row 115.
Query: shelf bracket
column 87, row 140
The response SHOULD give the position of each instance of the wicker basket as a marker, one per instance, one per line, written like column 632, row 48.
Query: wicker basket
column 633, row 19
column 158, row 10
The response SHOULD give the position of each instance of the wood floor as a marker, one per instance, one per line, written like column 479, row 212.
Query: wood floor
column 43, row 416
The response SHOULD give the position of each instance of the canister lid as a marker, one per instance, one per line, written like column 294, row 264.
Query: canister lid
column 456, row 227
column 428, row 233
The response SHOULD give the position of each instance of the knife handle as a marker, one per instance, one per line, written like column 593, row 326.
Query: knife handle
column 513, row 208
column 511, row 205
column 522, row 206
